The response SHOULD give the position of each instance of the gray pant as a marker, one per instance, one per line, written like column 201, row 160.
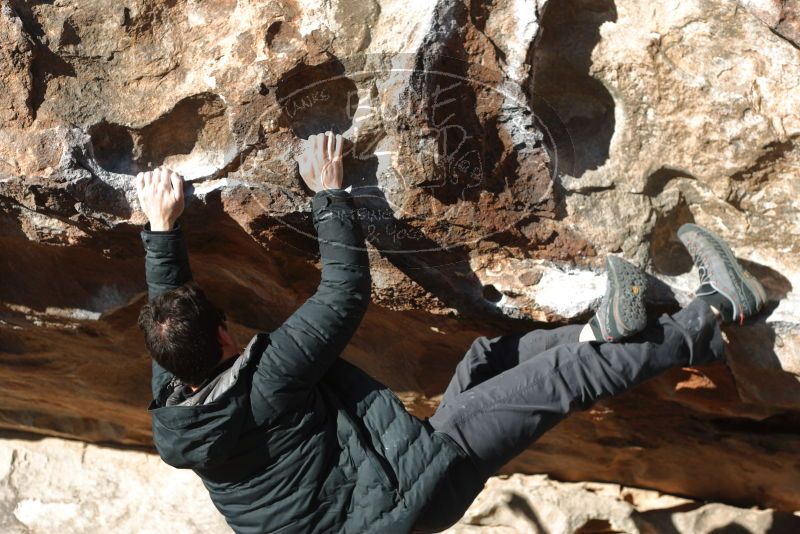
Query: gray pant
column 508, row 391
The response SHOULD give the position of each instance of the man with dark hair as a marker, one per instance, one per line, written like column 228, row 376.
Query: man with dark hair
column 288, row 437
column 185, row 333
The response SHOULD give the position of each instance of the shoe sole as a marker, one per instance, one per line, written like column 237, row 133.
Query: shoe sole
column 731, row 265
column 626, row 299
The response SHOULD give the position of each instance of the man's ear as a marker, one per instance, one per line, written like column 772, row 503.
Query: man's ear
column 224, row 337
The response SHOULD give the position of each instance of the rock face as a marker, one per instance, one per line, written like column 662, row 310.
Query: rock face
column 54, row 485
column 534, row 503
column 500, row 150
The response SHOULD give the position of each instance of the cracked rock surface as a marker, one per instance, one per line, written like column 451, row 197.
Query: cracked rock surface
column 53, row 485
column 499, row 151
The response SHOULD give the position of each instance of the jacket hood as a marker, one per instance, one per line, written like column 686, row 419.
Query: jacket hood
column 200, row 429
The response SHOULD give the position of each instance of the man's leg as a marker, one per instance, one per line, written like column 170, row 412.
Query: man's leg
column 508, row 391
column 496, row 418
column 501, row 416
column 621, row 313
column 487, row 358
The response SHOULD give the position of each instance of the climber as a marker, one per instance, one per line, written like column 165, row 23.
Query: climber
column 288, row 437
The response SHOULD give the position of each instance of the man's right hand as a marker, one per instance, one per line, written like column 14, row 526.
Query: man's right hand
column 161, row 197
column 321, row 162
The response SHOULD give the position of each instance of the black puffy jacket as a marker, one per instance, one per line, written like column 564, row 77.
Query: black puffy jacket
column 290, row 437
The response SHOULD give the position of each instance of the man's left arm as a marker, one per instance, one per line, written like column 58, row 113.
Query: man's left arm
column 166, row 257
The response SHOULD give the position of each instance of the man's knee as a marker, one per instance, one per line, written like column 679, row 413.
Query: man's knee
column 478, row 349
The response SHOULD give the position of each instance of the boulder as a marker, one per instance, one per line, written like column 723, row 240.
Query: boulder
column 498, row 152
column 55, row 485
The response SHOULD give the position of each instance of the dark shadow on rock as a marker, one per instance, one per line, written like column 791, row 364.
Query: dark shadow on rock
column 663, row 521
column 46, row 64
column 661, row 518
column 96, row 195
column 597, row 526
column 776, row 285
column 757, row 339
column 477, row 150
column 784, row 523
column 577, row 111
column 195, row 124
column 732, row 528
column 9, row 224
column 315, row 99
column 196, row 120
column 113, row 147
column 751, row 347
column 658, row 181
column 661, row 297
column 667, row 253
column 517, row 504
column 468, row 150
column 42, row 276
column 441, row 270
column 775, row 425
column 219, row 245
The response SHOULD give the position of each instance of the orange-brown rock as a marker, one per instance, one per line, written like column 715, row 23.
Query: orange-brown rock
column 499, row 150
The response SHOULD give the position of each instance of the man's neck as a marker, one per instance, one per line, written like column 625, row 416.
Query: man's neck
column 221, row 364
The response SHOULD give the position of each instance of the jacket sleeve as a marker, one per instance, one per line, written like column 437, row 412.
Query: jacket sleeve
column 302, row 349
column 166, row 267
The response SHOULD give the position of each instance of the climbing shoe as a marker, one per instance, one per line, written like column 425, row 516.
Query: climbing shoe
column 622, row 311
column 724, row 284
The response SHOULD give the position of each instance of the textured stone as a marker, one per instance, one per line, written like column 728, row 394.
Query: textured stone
column 52, row 485
column 537, row 504
column 782, row 17
column 16, row 60
column 500, row 150
column 708, row 134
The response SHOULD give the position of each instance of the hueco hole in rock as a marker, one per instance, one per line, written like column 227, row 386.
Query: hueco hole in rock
column 500, row 158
